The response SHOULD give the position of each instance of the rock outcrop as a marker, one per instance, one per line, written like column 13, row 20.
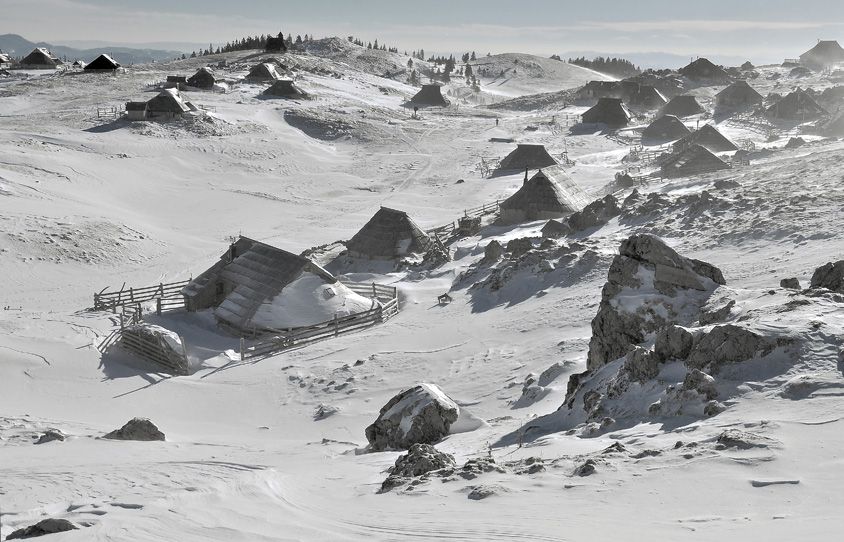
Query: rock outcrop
column 597, row 213
column 727, row 344
column 43, row 527
column 651, row 271
column 829, row 276
column 420, row 459
column 420, row 415
column 136, row 429
column 51, row 435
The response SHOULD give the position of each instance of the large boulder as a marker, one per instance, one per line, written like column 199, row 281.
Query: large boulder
column 423, row 414
column 663, row 288
column 727, row 344
column 597, row 213
column 829, row 276
column 43, row 527
column 136, row 429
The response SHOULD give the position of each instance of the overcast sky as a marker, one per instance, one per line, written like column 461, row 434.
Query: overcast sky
column 760, row 30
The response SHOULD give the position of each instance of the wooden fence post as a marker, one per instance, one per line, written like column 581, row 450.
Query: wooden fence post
column 158, row 306
column 373, row 291
column 241, row 349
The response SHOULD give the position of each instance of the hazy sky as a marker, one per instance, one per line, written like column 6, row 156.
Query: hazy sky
column 760, row 30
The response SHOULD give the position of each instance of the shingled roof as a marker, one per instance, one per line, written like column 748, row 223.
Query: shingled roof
column 550, row 193
column 389, row 234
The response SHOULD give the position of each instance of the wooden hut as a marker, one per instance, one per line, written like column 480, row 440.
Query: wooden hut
column 694, row 160
column 136, row 110
column 285, row 88
column 796, row 106
column 550, row 193
column 262, row 73
column 103, row 63
column 527, row 156
column 204, row 78
column 708, row 137
column 683, row 105
column 429, row 95
column 704, row 70
column 665, row 128
column 608, row 111
column 389, row 234
column 167, row 105
column 738, row 95
column 40, row 59
column 824, row 54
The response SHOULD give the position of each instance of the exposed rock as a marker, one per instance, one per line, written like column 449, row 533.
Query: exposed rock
column 597, row 213
column 420, row 459
column 713, row 408
column 829, row 276
column 673, row 342
column 422, row 414
column 734, row 438
column 519, row 247
column 551, row 373
column 49, row 436
column 727, row 344
column 136, row 429
column 641, row 364
column 591, row 399
column 790, row 283
column 644, row 257
column 795, row 142
column 634, row 198
column 324, row 411
column 493, row 252
column 717, row 315
column 725, row 184
column 480, row 465
column 554, row 229
column 482, row 492
column 587, row 468
column 614, row 448
column 43, row 527
column 700, row 382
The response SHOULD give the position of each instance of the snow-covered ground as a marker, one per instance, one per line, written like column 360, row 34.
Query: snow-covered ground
column 88, row 202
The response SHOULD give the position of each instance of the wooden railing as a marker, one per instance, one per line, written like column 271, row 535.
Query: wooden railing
column 167, row 295
column 388, row 306
column 447, row 230
column 150, row 348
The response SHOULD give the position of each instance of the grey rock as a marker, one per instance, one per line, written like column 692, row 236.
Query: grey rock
column 673, row 342
column 700, row 382
column 717, row 315
column 742, row 440
column 551, row 373
column 324, row 411
column 597, row 213
column 519, row 247
column 591, row 400
column 421, row 415
column 49, row 436
column 420, row 459
column 493, row 252
column 641, row 364
column 585, row 469
column 43, row 527
column 136, row 429
column 482, row 492
column 790, row 283
column 829, row 276
column 713, row 408
column 727, row 344
column 555, row 229
column 480, row 465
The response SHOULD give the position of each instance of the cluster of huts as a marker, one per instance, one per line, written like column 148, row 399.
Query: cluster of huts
column 42, row 59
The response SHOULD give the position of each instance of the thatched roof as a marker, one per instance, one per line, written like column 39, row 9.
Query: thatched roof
column 665, row 128
column 549, row 193
column 797, row 105
column 648, row 97
column 739, row 94
column 263, row 72
column 248, row 275
column 204, row 78
column 682, row 106
column 609, row 111
column 168, row 101
column 706, row 136
column 389, row 234
column 40, row 57
column 429, row 95
column 78, row 64
column 285, row 88
column 825, row 53
column 102, row 63
column 693, row 160
column 704, row 70
column 527, row 156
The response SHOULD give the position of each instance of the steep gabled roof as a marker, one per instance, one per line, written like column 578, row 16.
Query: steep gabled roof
column 797, row 105
column 609, row 111
column 823, row 54
column 285, row 88
column 527, row 156
column 263, row 72
column 389, row 234
column 102, row 62
column 682, row 106
column 549, row 191
column 203, row 78
column 704, row 70
column 429, row 95
column 706, row 136
column 665, row 128
column 40, row 56
column 168, row 101
column 739, row 92
column 694, row 160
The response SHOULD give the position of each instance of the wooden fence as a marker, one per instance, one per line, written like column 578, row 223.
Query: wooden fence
column 387, row 297
column 167, row 297
column 449, row 229
column 110, row 111
column 150, row 347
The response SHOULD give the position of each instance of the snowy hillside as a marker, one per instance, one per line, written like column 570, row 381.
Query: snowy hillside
column 275, row 448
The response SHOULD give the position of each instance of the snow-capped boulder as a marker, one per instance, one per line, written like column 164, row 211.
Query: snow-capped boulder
column 597, row 213
column 727, row 344
column 673, row 342
column 136, row 429
column 649, row 286
column 50, row 435
column 421, row 415
column 42, row 528
column 829, row 276
column 790, row 283
column 493, row 252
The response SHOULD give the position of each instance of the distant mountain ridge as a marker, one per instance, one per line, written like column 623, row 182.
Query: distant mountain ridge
column 656, row 59
column 18, row 46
